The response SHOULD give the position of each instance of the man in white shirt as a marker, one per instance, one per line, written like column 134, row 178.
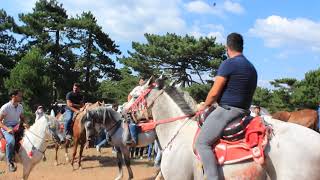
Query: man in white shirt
column 11, row 114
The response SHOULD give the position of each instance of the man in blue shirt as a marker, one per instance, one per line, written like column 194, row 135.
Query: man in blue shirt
column 233, row 90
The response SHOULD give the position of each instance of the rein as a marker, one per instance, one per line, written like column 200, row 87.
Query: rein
column 33, row 146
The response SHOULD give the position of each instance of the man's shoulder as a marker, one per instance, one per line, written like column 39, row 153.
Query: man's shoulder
column 6, row 105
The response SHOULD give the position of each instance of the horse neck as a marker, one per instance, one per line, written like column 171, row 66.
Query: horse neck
column 165, row 108
column 35, row 135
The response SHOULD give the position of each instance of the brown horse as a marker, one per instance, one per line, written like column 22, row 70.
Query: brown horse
column 304, row 117
column 79, row 135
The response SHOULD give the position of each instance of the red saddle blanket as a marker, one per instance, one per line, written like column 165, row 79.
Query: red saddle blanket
column 146, row 126
column 251, row 147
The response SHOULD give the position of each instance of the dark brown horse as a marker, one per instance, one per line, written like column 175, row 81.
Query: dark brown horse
column 304, row 117
column 79, row 135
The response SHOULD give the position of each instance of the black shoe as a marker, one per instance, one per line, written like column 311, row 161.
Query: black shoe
column 12, row 167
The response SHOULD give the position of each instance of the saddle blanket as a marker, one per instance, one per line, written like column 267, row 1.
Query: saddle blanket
column 250, row 147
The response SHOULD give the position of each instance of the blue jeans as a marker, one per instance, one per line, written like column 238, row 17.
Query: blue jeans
column 9, row 146
column 157, row 160
column 134, row 132
column 68, row 115
column 150, row 148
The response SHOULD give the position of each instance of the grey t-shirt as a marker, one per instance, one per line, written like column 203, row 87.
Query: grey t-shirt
column 11, row 114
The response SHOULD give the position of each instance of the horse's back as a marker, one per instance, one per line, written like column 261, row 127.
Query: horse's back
column 281, row 115
column 293, row 152
column 305, row 117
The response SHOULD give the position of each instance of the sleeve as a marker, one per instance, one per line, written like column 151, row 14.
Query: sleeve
column 68, row 96
column 3, row 110
column 133, row 91
column 225, row 69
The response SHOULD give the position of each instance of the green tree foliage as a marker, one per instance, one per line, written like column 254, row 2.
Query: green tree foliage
column 199, row 92
column 95, row 48
column 7, row 50
column 307, row 91
column 45, row 28
column 177, row 55
column 30, row 76
column 262, row 97
column 117, row 91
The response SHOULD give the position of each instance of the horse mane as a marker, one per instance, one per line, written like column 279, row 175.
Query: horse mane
column 102, row 114
column 186, row 103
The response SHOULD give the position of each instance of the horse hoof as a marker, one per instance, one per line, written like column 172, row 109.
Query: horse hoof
column 80, row 167
column 56, row 163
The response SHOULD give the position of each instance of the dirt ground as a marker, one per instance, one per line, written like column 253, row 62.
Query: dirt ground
column 95, row 166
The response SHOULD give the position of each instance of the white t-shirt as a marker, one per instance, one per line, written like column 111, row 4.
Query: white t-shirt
column 11, row 114
column 135, row 93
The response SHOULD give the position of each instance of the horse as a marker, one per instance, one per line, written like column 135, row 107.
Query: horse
column 79, row 136
column 112, row 122
column 304, row 117
column 34, row 144
column 284, row 157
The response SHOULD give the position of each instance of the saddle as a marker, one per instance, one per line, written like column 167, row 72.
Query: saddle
column 18, row 131
column 243, row 139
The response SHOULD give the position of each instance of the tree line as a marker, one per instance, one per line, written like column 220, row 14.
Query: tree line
column 45, row 51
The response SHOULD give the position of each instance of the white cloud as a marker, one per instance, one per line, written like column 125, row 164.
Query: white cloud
column 208, row 30
column 233, row 7
column 129, row 20
column 264, row 83
column 201, row 7
column 296, row 33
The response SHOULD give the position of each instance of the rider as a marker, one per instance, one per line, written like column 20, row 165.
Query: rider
column 74, row 103
column 11, row 114
column 39, row 112
column 133, row 95
column 257, row 111
column 233, row 90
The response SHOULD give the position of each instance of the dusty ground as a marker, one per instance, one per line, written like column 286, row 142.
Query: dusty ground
column 95, row 167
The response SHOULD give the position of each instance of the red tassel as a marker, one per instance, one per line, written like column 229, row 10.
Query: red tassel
column 30, row 154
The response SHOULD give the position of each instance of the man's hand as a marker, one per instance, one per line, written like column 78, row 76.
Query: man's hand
column 9, row 130
column 25, row 125
column 202, row 107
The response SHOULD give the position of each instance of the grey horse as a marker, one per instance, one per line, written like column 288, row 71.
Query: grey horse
column 112, row 122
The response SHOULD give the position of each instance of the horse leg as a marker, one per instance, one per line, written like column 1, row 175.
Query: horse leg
column 66, row 150
column 26, row 170
column 159, row 176
column 75, row 146
column 126, row 155
column 80, row 153
column 119, row 158
column 56, row 155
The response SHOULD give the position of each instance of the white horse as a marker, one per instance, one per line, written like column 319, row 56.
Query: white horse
column 293, row 151
column 34, row 144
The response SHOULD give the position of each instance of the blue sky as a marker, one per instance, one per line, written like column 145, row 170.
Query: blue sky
column 282, row 37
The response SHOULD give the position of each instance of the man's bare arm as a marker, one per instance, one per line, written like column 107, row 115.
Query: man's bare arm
column 215, row 91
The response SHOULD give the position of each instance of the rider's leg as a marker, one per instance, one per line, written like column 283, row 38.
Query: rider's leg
column 10, row 149
column 133, row 132
column 210, row 133
column 68, row 115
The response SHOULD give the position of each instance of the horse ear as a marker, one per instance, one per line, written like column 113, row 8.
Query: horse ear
column 173, row 83
column 149, row 82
